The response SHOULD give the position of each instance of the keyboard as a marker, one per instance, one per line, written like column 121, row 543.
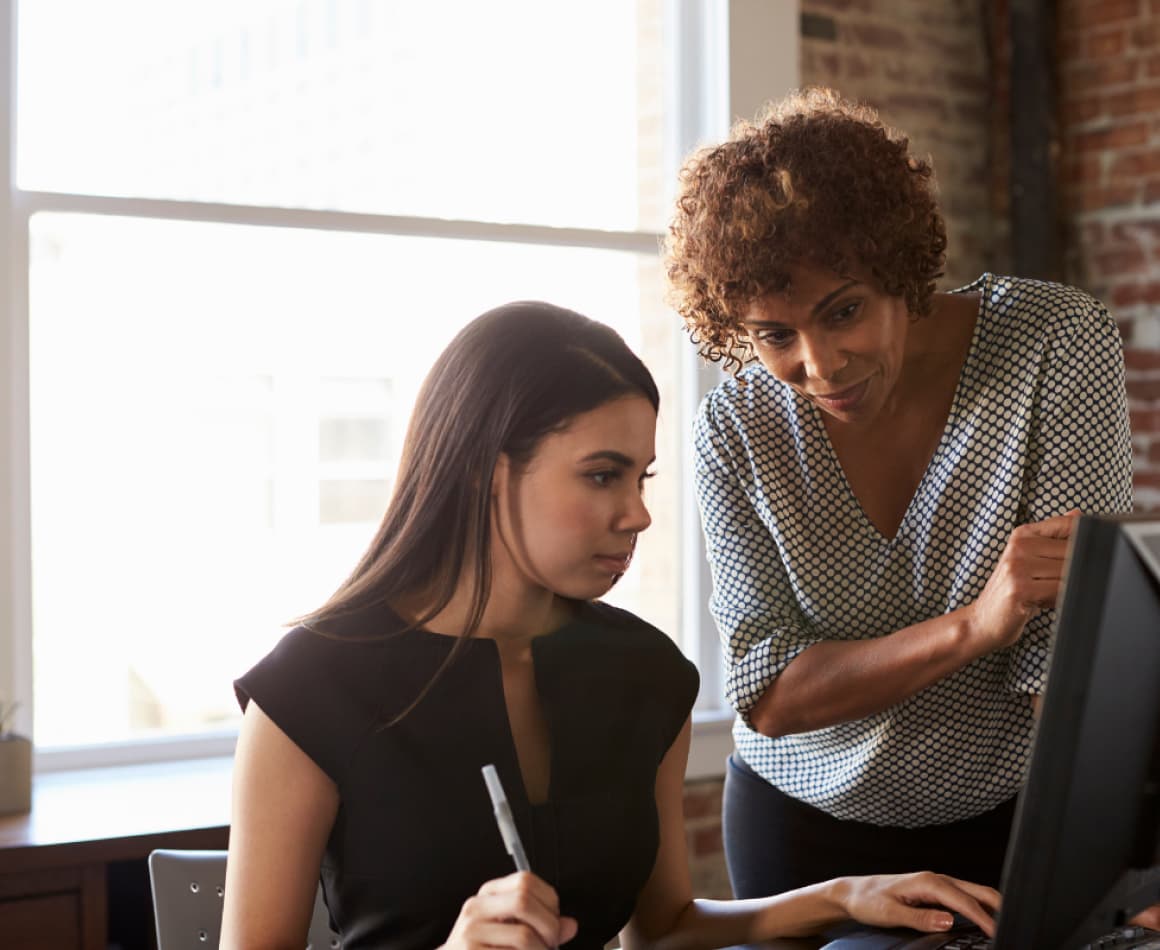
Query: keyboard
column 976, row 940
column 971, row 938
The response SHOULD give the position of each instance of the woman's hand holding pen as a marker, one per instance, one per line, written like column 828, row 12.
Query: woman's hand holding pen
column 1025, row 581
column 519, row 911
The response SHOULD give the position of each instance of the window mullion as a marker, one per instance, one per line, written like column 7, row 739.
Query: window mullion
column 31, row 202
column 15, row 526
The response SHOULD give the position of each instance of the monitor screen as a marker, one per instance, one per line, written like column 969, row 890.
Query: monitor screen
column 1084, row 853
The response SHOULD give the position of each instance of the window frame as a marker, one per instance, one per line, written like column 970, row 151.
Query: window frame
column 723, row 58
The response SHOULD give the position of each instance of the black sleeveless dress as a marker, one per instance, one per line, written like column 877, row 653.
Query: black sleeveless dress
column 415, row 835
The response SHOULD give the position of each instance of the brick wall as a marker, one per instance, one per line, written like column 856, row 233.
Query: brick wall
column 703, row 839
column 939, row 70
column 924, row 66
column 1109, row 146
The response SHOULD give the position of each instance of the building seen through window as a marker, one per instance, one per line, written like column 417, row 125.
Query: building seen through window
column 216, row 407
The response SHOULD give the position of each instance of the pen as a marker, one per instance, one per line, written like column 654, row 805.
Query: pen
column 503, row 818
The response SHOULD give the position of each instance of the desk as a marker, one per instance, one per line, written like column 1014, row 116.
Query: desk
column 54, row 860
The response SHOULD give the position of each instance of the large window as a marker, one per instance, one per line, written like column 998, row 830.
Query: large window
column 240, row 231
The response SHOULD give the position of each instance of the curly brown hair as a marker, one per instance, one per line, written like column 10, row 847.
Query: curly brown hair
column 816, row 180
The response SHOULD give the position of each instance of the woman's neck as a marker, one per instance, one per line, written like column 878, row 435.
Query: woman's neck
column 514, row 612
column 937, row 346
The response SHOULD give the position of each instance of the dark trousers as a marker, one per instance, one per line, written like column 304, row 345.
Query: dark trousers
column 774, row 843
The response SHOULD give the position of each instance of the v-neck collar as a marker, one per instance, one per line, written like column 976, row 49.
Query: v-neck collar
column 807, row 408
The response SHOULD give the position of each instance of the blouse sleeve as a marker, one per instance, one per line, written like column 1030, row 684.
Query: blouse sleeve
column 318, row 690
column 1081, row 450
column 752, row 602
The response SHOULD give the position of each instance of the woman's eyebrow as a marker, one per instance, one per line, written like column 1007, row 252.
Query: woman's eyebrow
column 817, row 308
column 825, row 301
column 608, row 455
column 611, row 455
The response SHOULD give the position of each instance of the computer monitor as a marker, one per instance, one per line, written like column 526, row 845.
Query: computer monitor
column 1084, row 853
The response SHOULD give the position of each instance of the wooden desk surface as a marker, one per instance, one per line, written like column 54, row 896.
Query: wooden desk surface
column 116, row 813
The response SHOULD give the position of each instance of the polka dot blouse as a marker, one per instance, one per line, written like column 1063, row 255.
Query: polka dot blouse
column 1038, row 425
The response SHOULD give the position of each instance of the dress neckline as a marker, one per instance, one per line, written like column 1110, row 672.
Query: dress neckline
column 982, row 285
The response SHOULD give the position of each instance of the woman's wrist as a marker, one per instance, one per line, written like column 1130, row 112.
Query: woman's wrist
column 969, row 635
column 837, row 895
column 813, row 909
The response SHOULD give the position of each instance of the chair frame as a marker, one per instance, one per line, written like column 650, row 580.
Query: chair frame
column 188, row 888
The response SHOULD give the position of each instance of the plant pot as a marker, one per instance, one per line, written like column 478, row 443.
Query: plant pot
column 15, row 774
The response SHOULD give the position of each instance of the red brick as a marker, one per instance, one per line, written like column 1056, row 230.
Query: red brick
column 856, row 66
column 1134, row 231
column 1146, row 35
column 1144, row 420
column 1146, row 479
column 1134, row 165
column 1085, row 16
column 1144, row 390
column 836, row 6
column 1154, row 453
column 963, row 82
column 1135, row 293
column 1142, row 100
column 974, row 113
column 707, row 841
column 1099, row 199
column 1141, row 360
column 1092, row 232
column 1123, row 260
column 879, row 37
column 1080, row 78
column 945, row 47
column 1151, row 194
column 699, row 804
column 1153, row 65
column 1076, row 111
column 821, row 67
column 897, row 70
column 1117, row 136
column 916, row 103
column 1106, row 45
column 1083, row 169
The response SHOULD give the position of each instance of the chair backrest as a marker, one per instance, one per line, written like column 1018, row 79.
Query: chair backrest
column 187, row 902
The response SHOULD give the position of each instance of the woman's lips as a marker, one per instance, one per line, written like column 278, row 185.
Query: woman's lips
column 617, row 563
column 844, row 399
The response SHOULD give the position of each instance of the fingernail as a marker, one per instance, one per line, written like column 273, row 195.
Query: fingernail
column 944, row 923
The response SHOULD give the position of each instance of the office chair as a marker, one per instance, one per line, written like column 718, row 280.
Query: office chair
column 187, row 902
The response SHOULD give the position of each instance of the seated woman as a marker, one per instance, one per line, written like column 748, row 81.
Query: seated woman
column 470, row 634
column 885, row 491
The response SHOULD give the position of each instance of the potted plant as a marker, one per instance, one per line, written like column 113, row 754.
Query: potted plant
column 15, row 765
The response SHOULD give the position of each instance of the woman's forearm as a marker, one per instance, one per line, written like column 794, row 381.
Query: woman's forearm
column 705, row 924
column 837, row 681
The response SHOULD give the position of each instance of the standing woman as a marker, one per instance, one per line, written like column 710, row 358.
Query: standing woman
column 885, row 486
column 469, row 634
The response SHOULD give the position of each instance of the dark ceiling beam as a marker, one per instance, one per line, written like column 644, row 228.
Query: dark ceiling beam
column 1035, row 216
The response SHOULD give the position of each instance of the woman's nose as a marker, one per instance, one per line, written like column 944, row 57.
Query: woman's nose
column 635, row 516
column 821, row 358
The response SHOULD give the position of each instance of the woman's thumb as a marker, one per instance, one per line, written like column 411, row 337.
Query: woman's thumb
column 568, row 928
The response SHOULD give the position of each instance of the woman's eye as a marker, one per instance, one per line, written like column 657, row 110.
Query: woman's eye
column 843, row 314
column 775, row 337
column 603, row 478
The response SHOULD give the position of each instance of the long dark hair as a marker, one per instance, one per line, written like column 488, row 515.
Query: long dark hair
column 510, row 377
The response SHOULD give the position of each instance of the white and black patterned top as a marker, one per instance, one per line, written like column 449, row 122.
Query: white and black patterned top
column 1038, row 425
